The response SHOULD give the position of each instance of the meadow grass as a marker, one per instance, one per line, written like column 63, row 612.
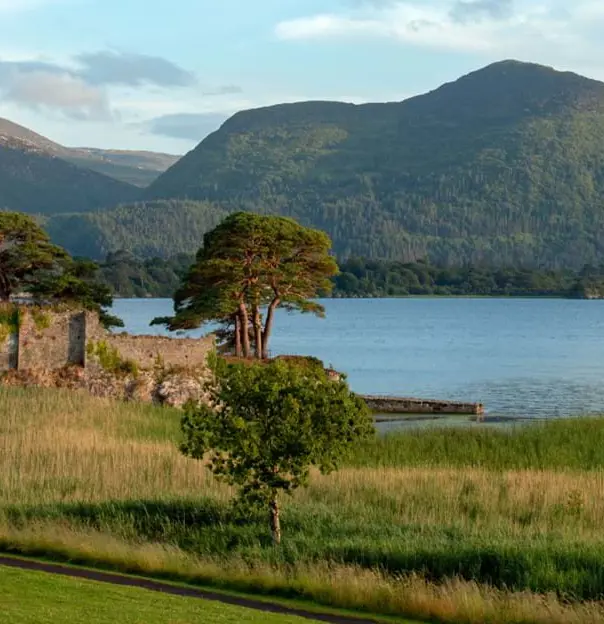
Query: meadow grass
column 569, row 444
column 405, row 528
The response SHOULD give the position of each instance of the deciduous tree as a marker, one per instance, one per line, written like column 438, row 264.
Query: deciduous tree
column 270, row 424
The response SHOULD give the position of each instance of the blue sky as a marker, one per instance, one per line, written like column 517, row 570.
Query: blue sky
column 161, row 74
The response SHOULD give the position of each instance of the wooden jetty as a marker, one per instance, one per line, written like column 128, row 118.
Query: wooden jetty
column 405, row 405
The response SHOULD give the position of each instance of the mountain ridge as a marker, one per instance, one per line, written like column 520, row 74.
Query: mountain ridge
column 136, row 167
column 502, row 165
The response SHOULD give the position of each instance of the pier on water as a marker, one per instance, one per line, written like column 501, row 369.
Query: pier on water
column 406, row 405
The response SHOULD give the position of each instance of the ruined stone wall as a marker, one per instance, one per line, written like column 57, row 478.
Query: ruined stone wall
column 9, row 344
column 50, row 340
column 149, row 351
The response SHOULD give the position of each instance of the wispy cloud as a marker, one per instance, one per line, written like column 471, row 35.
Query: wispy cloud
column 538, row 29
column 122, row 68
column 465, row 11
column 84, row 86
column 43, row 86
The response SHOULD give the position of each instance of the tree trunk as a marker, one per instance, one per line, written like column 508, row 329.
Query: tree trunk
column 275, row 520
column 258, row 332
column 238, row 347
column 5, row 290
column 245, row 335
column 268, row 326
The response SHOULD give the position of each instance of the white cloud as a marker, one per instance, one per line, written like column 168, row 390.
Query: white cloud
column 58, row 92
column 537, row 29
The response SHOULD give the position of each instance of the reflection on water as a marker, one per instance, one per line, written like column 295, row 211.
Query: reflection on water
column 522, row 358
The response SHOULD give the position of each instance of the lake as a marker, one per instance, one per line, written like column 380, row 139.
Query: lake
column 528, row 358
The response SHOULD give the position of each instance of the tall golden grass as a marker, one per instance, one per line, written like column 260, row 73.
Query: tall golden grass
column 65, row 447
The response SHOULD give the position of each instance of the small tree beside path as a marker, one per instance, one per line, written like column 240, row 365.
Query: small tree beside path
column 266, row 425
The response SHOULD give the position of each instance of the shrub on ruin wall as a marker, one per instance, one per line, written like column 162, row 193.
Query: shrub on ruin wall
column 9, row 321
column 110, row 359
column 42, row 319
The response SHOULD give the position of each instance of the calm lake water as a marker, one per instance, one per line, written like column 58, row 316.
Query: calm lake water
column 527, row 358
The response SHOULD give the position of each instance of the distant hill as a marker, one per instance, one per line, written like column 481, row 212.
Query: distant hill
column 35, row 181
column 137, row 168
column 146, row 229
column 503, row 166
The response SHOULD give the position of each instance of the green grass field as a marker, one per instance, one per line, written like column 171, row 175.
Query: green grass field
column 40, row 598
column 454, row 526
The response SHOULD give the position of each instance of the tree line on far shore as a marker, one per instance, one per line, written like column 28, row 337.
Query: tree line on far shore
column 129, row 276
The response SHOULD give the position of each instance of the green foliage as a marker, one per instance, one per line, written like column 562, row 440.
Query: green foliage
column 25, row 249
column 270, row 424
column 110, row 359
column 40, row 318
column 360, row 277
column 9, row 321
column 147, row 229
column 76, row 283
column 246, row 262
column 502, row 167
column 31, row 264
column 129, row 276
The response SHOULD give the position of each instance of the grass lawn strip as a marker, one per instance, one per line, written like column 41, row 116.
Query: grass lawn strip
column 32, row 597
column 290, row 610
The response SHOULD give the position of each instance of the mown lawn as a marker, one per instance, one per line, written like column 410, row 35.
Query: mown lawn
column 39, row 598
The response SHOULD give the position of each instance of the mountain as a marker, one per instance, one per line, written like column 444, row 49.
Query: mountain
column 146, row 229
column 35, row 181
column 503, row 166
column 138, row 168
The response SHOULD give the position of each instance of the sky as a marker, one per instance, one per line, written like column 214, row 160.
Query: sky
column 161, row 75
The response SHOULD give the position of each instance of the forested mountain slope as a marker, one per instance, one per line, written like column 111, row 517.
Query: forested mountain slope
column 503, row 166
column 146, row 229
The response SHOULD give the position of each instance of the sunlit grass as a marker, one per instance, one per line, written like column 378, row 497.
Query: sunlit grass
column 104, row 482
column 571, row 444
column 36, row 597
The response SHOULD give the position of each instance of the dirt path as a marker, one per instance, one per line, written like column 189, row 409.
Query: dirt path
column 189, row 592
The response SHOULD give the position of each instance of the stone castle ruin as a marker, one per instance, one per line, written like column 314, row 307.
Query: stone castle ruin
column 70, row 348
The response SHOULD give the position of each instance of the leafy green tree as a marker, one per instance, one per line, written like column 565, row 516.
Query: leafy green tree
column 274, row 421
column 213, row 290
column 32, row 265
column 249, row 261
column 296, row 268
column 76, row 282
column 25, row 249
